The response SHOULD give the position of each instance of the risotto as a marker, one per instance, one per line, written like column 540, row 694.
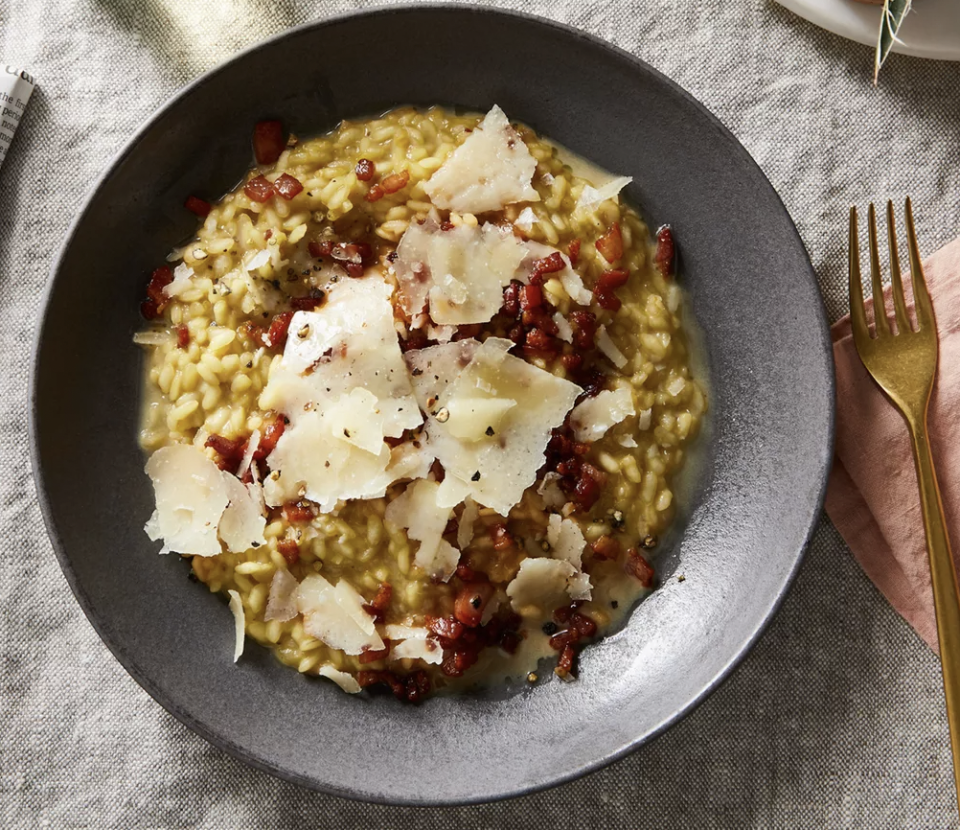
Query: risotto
column 414, row 396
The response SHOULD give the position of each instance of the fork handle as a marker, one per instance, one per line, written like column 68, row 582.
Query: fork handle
column 946, row 592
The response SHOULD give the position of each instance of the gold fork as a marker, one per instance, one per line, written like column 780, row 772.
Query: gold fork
column 904, row 365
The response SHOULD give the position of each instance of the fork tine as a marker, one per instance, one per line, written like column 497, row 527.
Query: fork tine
column 858, row 315
column 879, row 307
column 921, row 295
column 899, row 305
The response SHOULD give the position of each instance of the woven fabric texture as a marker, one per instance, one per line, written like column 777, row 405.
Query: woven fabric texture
column 835, row 720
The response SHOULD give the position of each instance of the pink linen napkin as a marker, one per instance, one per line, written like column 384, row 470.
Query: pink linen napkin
column 872, row 496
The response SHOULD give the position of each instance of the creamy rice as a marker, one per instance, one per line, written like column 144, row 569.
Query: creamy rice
column 205, row 372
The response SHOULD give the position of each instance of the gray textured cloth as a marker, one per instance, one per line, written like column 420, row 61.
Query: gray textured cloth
column 835, row 720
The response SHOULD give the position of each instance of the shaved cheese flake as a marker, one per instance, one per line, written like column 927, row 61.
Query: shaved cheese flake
column 579, row 587
column 549, row 489
column 565, row 539
column 258, row 260
column 592, row 417
column 331, row 615
column 609, row 348
column 468, row 519
column 460, row 273
column 282, row 600
column 253, row 444
column 416, row 509
column 242, row 522
column 344, row 680
column 526, row 220
column 153, row 337
column 591, row 197
column 413, row 643
column 350, row 343
column 492, row 168
column 239, row 623
column 645, row 419
column 540, row 585
column 191, row 494
column 564, row 329
column 473, row 419
column 182, row 276
column 628, row 441
column 496, row 469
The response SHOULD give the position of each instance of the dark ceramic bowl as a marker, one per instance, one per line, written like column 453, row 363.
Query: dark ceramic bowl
column 750, row 513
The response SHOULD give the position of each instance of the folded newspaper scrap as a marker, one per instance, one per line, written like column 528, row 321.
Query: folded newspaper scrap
column 16, row 86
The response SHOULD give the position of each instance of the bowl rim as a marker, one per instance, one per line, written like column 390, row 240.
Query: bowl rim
column 129, row 662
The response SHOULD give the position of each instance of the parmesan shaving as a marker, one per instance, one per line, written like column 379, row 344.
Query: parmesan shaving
column 540, row 585
column 496, row 469
column 460, row 273
column 644, row 419
column 182, row 276
column 591, row 197
column 549, row 489
column 154, row 337
column 566, row 540
column 628, row 441
column 242, row 522
column 416, row 509
column 191, row 495
column 282, row 601
column 609, row 348
column 492, row 168
column 526, row 220
column 344, row 680
column 335, row 615
column 258, row 260
column 253, row 444
column 468, row 518
column 594, row 416
column 564, row 329
column 239, row 623
column 570, row 280
column 410, row 643
column 579, row 587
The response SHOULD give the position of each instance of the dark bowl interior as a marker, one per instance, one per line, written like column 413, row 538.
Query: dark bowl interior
column 759, row 481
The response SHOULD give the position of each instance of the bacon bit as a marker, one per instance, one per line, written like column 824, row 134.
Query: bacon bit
column 259, row 189
column 230, row 449
column 502, row 540
column 268, row 441
column 471, row 602
column 607, row 300
column 375, row 193
column 606, row 547
column 457, row 661
column 467, row 574
column 588, row 486
column 510, row 641
column 310, row 302
column 467, row 330
column 612, row 279
column 268, row 141
column 159, row 279
column 531, row 296
column 583, row 625
column 563, row 614
column 447, row 225
column 511, row 299
column 571, row 362
column 517, row 335
column 637, row 566
column 395, row 182
column 416, row 339
column 253, row 332
column 540, row 343
column 365, row 170
column 539, row 318
column 297, row 511
column 548, row 265
column 448, row 628
column 369, row 655
column 276, row 336
column 377, row 607
column 592, row 381
column 319, row 249
column 368, row 677
column 183, row 336
column 198, row 206
column 567, row 662
column 268, row 233
column 584, row 329
column 666, row 251
column 287, row 186
column 289, row 550
column 574, row 251
column 610, row 245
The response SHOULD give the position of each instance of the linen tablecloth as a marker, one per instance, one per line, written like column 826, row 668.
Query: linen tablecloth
column 835, row 720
